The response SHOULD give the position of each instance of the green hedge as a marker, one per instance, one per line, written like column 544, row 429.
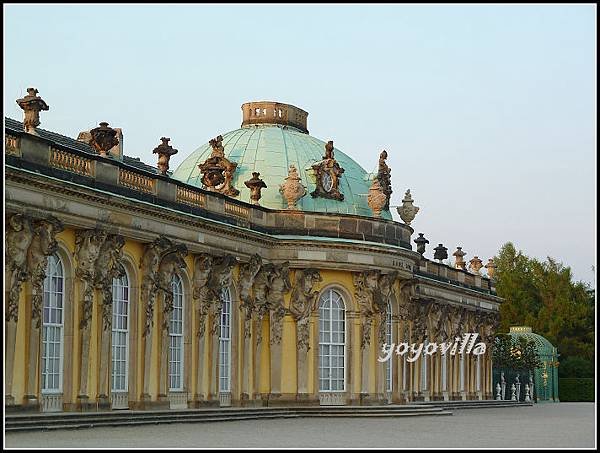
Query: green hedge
column 576, row 389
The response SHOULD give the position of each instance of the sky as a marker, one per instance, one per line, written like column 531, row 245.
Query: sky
column 488, row 112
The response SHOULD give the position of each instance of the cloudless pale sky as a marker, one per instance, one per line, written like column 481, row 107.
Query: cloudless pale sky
column 488, row 112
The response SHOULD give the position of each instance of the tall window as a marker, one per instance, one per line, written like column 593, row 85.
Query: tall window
column 388, row 340
column 225, row 342
column 332, row 342
column 176, row 337
column 53, row 327
column 120, row 333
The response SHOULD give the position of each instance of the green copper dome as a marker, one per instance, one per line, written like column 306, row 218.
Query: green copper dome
column 270, row 148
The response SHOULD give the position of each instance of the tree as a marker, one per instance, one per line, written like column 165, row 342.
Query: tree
column 544, row 296
column 516, row 353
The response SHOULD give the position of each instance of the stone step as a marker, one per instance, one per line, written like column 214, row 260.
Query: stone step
column 80, row 420
column 474, row 404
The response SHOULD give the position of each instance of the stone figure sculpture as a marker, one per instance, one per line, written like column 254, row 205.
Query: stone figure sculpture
column 19, row 234
column 303, row 302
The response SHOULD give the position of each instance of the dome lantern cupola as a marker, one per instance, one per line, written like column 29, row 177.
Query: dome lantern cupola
column 270, row 112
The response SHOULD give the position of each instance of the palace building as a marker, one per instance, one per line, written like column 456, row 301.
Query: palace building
column 265, row 270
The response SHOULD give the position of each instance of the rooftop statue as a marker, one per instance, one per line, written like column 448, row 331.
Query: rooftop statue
column 385, row 178
column 217, row 171
column 292, row 189
column 32, row 104
column 328, row 173
column 407, row 211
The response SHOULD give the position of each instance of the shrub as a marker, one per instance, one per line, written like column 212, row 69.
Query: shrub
column 576, row 389
column 576, row 367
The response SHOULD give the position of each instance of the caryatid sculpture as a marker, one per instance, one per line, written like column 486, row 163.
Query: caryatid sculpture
column 19, row 234
column 154, row 280
column 88, row 244
column 382, row 301
column 247, row 274
column 108, row 267
column 365, row 285
column 279, row 284
column 303, row 301
column 32, row 104
column 171, row 264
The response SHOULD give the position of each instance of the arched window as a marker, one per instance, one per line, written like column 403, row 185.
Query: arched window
column 176, row 337
column 332, row 342
column 388, row 340
column 225, row 343
column 120, row 333
column 53, row 327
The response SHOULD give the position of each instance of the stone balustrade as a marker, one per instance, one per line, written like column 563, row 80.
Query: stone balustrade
column 71, row 162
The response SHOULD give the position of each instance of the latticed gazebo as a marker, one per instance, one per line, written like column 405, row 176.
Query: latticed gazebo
column 545, row 378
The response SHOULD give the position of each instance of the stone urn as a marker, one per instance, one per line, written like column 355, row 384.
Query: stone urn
column 377, row 199
column 475, row 264
column 407, row 211
column 104, row 138
column 255, row 184
column 164, row 151
column 459, row 262
column 292, row 189
column 491, row 268
column 32, row 104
